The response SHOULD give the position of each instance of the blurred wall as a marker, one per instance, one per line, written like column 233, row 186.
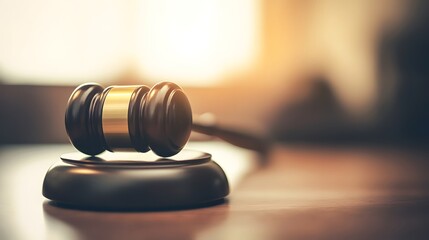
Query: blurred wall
column 32, row 114
column 317, row 70
column 35, row 114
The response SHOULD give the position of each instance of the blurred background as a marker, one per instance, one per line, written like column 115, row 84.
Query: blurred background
column 313, row 71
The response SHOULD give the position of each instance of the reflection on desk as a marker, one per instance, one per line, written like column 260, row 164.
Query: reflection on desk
column 300, row 192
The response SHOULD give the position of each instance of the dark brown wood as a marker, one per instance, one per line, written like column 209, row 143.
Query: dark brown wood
column 166, row 119
column 137, row 136
column 82, row 119
column 135, row 181
column 301, row 192
column 159, row 118
column 235, row 137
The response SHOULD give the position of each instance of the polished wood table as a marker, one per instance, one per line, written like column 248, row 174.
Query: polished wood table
column 295, row 192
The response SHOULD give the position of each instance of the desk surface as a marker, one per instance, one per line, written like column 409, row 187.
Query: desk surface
column 294, row 192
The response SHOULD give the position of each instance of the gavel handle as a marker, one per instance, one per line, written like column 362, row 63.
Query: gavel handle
column 237, row 138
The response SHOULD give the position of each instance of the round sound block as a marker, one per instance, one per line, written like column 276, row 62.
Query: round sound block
column 135, row 181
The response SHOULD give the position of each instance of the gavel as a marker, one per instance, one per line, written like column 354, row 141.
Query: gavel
column 139, row 118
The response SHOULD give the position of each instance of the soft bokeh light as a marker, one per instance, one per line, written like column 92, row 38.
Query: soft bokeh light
column 61, row 42
column 346, row 67
column 196, row 42
column 190, row 42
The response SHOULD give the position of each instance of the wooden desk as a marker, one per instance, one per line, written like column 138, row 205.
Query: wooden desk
column 297, row 193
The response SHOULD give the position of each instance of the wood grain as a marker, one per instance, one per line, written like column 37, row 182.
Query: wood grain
column 298, row 192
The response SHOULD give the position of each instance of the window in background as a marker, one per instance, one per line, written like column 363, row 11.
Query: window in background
column 68, row 42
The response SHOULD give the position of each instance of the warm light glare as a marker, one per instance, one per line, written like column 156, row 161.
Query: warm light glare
column 61, row 42
column 70, row 42
column 196, row 42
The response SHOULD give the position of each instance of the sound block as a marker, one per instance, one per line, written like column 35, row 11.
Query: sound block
column 135, row 181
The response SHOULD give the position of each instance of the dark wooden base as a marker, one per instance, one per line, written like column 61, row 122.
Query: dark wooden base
column 135, row 181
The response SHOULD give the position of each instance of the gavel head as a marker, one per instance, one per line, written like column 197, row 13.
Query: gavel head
column 121, row 118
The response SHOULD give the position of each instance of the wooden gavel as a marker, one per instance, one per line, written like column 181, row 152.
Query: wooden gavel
column 123, row 118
